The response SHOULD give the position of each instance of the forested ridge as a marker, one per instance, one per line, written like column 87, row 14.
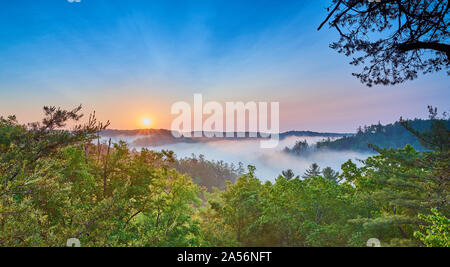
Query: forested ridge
column 57, row 184
column 385, row 136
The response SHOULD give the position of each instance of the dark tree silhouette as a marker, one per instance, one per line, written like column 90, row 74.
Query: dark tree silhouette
column 300, row 148
column 394, row 40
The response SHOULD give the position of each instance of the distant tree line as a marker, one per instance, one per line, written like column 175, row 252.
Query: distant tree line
column 385, row 136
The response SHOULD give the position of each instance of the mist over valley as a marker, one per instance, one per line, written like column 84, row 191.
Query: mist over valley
column 269, row 163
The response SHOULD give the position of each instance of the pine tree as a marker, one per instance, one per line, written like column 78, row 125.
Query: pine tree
column 288, row 174
column 330, row 174
column 313, row 171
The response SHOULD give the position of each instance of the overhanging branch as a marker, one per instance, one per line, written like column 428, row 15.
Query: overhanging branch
column 425, row 45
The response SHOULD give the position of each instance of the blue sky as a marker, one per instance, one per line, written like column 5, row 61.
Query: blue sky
column 127, row 59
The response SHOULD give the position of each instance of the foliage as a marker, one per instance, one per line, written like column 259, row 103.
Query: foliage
column 437, row 234
column 55, row 185
column 312, row 212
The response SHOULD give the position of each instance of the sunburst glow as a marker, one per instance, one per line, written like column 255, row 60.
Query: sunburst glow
column 146, row 122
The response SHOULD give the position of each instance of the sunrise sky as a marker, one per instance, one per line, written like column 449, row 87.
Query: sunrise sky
column 131, row 60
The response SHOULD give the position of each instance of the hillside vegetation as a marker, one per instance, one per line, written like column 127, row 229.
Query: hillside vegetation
column 57, row 184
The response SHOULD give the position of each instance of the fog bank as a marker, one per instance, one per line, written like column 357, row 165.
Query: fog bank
column 269, row 163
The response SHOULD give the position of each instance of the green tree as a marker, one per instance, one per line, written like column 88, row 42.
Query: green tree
column 242, row 207
column 312, row 171
column 330, row 174
column 437, row 233
column 288, row 174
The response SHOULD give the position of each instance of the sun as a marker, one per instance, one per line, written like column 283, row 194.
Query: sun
column 146, row 122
